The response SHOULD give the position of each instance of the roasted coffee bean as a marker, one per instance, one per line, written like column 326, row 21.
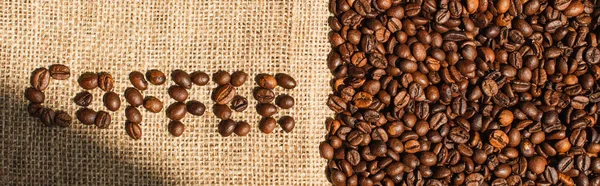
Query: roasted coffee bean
column 86, row 116
column 267, row 81
column 105, row 81
column 34, row 109
column 238, row 78
column 182, row 78
column 287, row 123
column 498, row 139
column 59, row 72
column 195, row 108
column 267, row 125
column 285, row 101
column 239, row 103
column 178, row 93
column 326, row 151
column 263, row 95
column 40, row 78
column 111, row 101
column 138, row 80
column 222, row 77
column 156, row 77
column 83, row 99
column 102, row 120
column 286, row 81
column 62, row 119
column 47, row 117
column 133, row 130
column 226, row 127
column 222, row 111
column 266, row 109
column 242, row 128
column 176, row 111
column 133, row 114
column 176, row 128
column 223, row 94
column 134, row 97
column 34, row 95
column 88, row 80
column 153, row 104
column 199, row 78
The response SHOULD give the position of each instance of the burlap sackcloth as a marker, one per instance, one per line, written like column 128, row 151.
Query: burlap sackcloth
column 262, row 36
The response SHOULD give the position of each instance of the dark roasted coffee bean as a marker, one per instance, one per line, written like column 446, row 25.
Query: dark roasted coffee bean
column 105, row 81
column 176, row 128
column 239, row 103
column 178, row 93
column 199, row 78
column 34, row 95
column 86, row 116
column 134, row 97
column 47, row 117
column 287, row 123
column 222, row 111
column 182, row 79
column 222, row 77
column 34, row 109
column 286, row 81
column 266, row 81
column 59, row 72
column 102, row 120
column 40, row 78
column 223, row 94
column 267, row 125
column 238, row 78
column 156, row 77
column 263, row 95
column 133, row 114
column 83, row 99
column 111, row 101
column 176, row 111
column 153, row 104
column 133, row 130
column 62, row 119
column 266, row 109
column 242, row 128
column 195, row 108
column 285, row 101
column 88, row 80
column 138, row 80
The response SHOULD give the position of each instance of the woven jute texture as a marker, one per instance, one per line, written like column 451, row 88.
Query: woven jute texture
column 262, row 36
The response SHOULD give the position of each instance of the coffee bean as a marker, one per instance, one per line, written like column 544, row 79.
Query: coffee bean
column 34, row 95
column 285, row 81
column 86, row 116
column 134, row 97
column 239, row 103
column 88, row 80
column 138, row 80
column 178, row 93
column 537, row 164
column 176, row 111
column 133, row 114
column 287, row 123
column 62, row 119
column 153, row 104
column 222, row 111
column 263, row 95
column 59, row 72
column 266, row 109
column 176, row 128
column 156, row 77
column 195, row 108
column 112, row 101
column 224, row 94
column 326, row 151
column 267, row 125
column 238, row 78
column 222, row 78
column 47, row 117
column 226, row 127
column 34, row 109
column 242, row 128
column 266, row 81
column 105, row 81
column 199, row 78
column 40, row 78
column 102, row 120
column 285, row 101
column 133, row 130
column 182, row 79
column 498, row 139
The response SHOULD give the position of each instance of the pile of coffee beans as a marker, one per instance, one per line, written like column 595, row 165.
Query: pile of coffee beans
column 40, row 80
column 225, row 96
column 470, row 92
column 265, row 96
column 90, row 81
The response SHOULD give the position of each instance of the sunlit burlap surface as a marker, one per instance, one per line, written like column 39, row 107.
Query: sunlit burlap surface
column 118, row 37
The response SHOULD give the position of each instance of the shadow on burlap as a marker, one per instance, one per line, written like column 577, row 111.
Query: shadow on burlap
column 120, row 37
